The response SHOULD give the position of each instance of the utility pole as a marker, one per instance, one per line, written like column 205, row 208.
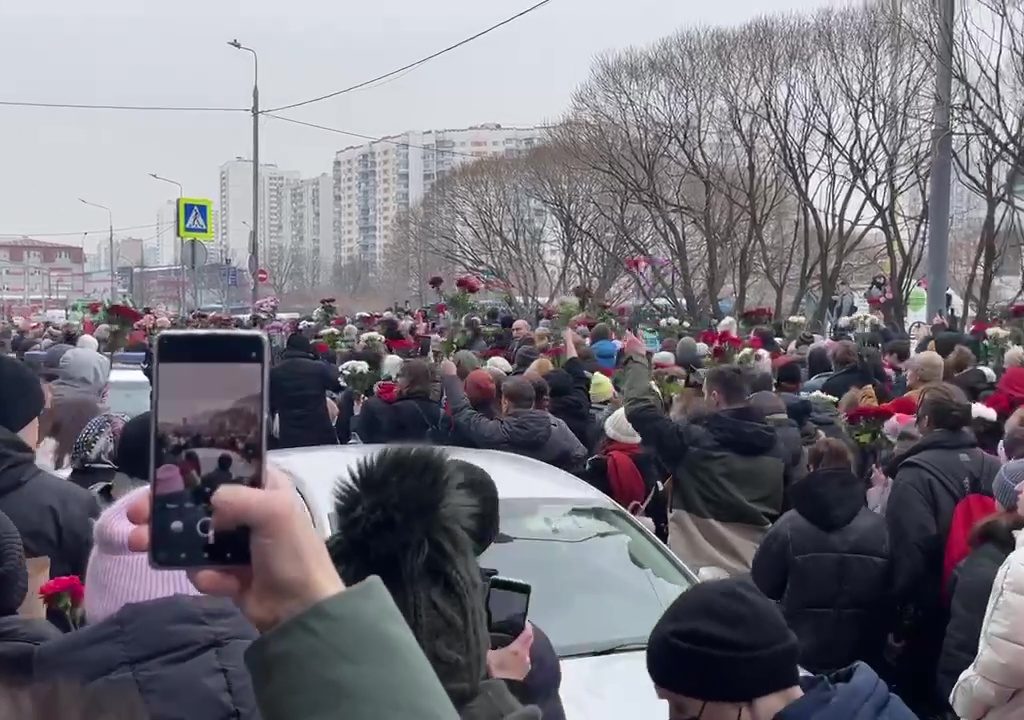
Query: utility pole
column 942, row 166
column 110, row 239
column 254, row 241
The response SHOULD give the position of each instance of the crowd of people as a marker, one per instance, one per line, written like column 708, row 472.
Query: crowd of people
column 852, row 505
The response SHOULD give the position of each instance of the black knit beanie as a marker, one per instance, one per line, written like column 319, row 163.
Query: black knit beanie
column 723, row 641
column 21, row 397
column 13, row 573
column 132, row 454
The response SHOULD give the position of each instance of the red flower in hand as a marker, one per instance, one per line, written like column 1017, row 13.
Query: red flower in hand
column 71, row 585
column 867, row 414
column 727, row 338
column 125, row 313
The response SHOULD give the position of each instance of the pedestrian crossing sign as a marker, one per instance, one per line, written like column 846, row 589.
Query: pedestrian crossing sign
column 195, row 219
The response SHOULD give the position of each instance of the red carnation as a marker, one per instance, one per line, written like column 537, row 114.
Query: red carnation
column 441, row 308
column 755, row 342
column 709, row 337
column 52, row 590
column 727, row 338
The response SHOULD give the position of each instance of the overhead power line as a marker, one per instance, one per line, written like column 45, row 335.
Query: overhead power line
column 371, row 138
column 104, row 231
column 414, row 64
column 85, row 106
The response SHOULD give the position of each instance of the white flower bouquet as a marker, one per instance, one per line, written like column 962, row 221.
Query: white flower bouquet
column 818, row 397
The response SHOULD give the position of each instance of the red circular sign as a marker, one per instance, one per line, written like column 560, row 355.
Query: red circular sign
column 262, row 275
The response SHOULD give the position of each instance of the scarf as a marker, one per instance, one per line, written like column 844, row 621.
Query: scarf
column 624, row 478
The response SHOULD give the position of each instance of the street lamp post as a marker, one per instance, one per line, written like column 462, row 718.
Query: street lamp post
column 254, row 244
column 181, row 255
column 110, row 238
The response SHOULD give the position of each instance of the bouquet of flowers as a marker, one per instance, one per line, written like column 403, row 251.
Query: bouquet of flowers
column 358, row 377
column 757, row 316
column 65, row 594
column 266, row 308
column 794, row 325
column 864, row 424
column 723, row 345
column 331, row 336
column 372, row 341
column 997, row 341
column 819, row 398
column 326, row 312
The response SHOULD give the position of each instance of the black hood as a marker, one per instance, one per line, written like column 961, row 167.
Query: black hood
column 297, row 355
column 741, row 430
column 829, row 499
column 17, row 461
column 799, row 409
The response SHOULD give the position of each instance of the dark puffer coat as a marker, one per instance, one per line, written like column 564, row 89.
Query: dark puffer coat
column 969, row 590
column 827, row 563
column 182, row 655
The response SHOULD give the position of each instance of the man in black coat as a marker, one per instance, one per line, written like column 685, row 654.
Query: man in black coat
column 53, row 515
column 298, row 396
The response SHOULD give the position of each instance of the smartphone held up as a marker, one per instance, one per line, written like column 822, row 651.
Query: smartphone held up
column 208, row 429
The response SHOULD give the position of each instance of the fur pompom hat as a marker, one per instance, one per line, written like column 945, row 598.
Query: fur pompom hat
column 406, row 517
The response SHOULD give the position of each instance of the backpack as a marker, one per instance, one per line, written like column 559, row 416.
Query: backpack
column 972, row 509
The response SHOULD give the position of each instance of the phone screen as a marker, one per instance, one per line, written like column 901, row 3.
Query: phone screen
column 508, row 602
column 209, row 430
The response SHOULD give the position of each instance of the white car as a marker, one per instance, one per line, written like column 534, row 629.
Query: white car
column 599, row 579
column 128, row 390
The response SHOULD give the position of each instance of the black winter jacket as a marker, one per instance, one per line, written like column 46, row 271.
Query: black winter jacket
column 930, row 479
column 406, row 420
column 827, row 563
column 842, row 381
column 19, row 638
column 570, row 398
column 969, row 590
column 183, row 655
column 298, row 396
column 53, row 515
column 534, row 433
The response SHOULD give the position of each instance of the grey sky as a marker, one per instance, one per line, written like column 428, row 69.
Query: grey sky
column 145, row 52
column 188, row 389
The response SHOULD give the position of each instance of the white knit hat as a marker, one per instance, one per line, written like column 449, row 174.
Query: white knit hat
column 663, row 359
column 116, row 576
column 617, row 427
column 499, row 363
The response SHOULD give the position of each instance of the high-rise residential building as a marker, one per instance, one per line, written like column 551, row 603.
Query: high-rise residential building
column 375, row 182
column 165, row 248
column 234, row 216
column 312, row 230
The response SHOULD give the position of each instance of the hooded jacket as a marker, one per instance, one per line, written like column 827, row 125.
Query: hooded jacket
column 827, row 563
column 82, row 374
column 53, row 515
column 728, row 471
column 298, row 388
column 570, row 398
column 534, row 433
column 855, row 693
column 969, row 591
column 993, row 686
column 183, row 655
column 19, row 638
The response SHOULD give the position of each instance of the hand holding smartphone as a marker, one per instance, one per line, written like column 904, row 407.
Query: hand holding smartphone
column 208, row 429
column 508, row 602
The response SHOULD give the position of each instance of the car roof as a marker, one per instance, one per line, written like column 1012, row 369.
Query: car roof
column 128, row 373
column 516, row 476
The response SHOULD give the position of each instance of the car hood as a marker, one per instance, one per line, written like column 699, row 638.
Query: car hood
column 610, row 687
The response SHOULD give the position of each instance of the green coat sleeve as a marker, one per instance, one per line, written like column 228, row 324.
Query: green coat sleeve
column 351, row 656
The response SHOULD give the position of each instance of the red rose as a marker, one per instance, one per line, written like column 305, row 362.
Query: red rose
column 70, row 585
column 868, row 413
column 709, row 337
column 320, row 348
column 727, row 338
column 124, row 312
column 386, row 391
column 441, row 308
column 755, row 342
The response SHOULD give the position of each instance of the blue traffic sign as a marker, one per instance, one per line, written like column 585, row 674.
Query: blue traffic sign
column 195, row 219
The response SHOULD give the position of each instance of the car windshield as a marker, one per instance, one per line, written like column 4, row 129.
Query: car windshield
column 130, row 397
column 598, row 582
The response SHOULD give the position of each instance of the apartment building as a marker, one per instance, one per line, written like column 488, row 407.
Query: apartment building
column 233, row 221
column 312, row 229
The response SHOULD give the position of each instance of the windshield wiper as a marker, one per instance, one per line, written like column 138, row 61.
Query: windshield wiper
column 611, row 649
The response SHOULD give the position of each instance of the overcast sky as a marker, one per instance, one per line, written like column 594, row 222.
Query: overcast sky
column 140, row 52
column 190, row 389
